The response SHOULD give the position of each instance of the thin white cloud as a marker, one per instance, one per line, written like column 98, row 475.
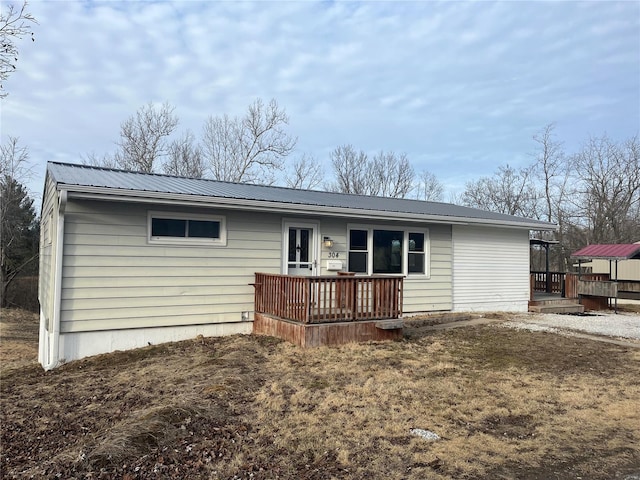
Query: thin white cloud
column 459, row 86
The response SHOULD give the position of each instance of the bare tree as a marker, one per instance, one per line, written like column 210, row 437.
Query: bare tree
column 221, row 136
column 143, row 140
column 510, row 191
column 106, row 160
column 554, row 169
column 184, row 157
column 18, row 223
column 305, row 173
column 456, row 198
column 14, row 160
column 391, row 175
column 14, row 25
column 248, row 149
column 143, row 137
column 387, row 174
column 549, row 165
column 609, row 176
column 350, row 169
column 593, row 195
column 429, row 187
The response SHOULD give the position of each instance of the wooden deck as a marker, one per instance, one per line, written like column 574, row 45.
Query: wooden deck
column 554, row 293
column 328, row 310
column 595, row 291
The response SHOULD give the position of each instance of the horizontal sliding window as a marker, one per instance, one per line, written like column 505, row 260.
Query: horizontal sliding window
column 187, row 229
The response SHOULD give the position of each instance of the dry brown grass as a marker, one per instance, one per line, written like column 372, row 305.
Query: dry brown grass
column 628, row 306
column 507, row 404
column 18, row 338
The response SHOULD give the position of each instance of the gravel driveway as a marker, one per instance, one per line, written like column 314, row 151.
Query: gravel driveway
column 622, row 325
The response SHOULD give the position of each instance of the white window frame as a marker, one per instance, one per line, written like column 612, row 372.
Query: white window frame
column 426, row 252
column 405, row 248
column 205, row 242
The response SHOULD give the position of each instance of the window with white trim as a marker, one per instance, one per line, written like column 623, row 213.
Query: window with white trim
column 388, row 251
column 358, row 251
column 416, row 254
column 193, row 229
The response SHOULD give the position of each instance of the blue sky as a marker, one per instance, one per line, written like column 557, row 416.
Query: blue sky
column 460, row 87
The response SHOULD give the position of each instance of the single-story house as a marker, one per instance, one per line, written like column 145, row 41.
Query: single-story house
column 130, row 259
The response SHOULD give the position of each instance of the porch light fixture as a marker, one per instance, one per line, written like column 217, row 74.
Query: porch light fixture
column 327, row 242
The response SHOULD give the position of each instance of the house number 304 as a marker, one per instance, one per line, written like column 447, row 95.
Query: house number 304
column 334, row 254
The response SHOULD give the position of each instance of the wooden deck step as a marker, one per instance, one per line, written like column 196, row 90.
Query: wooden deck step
column 556, row 305
column 553, row 301
column 391, row 324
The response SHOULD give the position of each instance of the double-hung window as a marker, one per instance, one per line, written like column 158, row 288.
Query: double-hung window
column 416, row 254
column 388, row 251
column 358, row 254
column 194, row 229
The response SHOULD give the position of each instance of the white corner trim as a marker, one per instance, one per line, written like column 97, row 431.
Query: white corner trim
column 52, row 356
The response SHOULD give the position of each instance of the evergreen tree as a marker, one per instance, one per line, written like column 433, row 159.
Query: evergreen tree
column 19, row 233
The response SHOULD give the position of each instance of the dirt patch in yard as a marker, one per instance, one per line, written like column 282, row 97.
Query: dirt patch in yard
column 506, row 404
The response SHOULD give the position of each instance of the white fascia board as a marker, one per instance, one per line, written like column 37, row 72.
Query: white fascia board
column 138, row 196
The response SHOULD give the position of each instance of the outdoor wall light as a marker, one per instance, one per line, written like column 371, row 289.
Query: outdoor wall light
column 327, row 242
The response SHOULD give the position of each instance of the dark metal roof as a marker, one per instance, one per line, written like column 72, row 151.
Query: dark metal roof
column 620, row 251
column 67, row 176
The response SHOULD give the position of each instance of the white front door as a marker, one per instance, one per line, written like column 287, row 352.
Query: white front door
column 300, row 249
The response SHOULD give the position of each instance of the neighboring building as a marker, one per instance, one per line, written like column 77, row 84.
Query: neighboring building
column 622, row 269
column 129, row 258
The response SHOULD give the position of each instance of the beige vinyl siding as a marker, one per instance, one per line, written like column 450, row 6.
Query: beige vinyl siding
column 491, row 268
column 113, row 278
column 627, row 269
column 421, row 293
column 48, row 242
column 336, row 230
column 435, row 292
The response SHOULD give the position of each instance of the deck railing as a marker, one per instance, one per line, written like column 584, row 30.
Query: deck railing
column 324, row 299
column 572, row 289
column 565, row 284
column 551, row 283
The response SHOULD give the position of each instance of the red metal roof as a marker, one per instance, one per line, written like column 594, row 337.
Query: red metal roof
column 620, row 251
